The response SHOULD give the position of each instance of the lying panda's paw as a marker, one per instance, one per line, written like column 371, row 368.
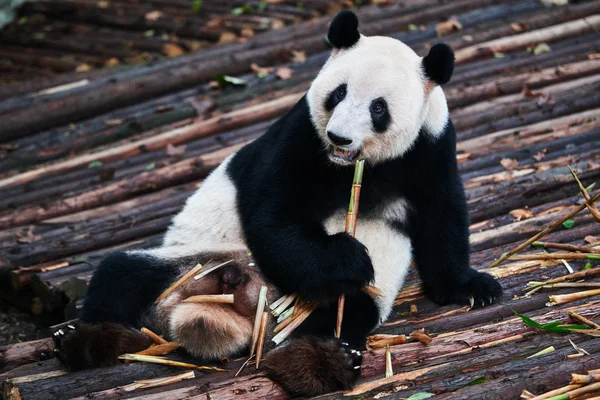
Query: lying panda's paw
column 84, row 346
column 320, row 366
column 477, row 290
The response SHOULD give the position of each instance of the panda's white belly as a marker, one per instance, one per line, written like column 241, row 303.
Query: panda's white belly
column 390, row 251
column 209, row 222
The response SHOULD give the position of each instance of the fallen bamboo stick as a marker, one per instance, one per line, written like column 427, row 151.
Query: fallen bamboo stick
column 158, row 382
column 380, row 341
column 421, row 336
column 261, row 337
column 388, row 362
column 544, row 232
column 564, row 246
column 579, row 379
column 211, row 269
column 153, row 336
column 583, row 319
column 580, row 391
column 159, row 349
column 351, row 230
column 591, row 207
column 567, row 285
column 164, row 361
column 567, row 298
column 555, row 256
column 260, row 308
column 211, row 298
column 570, row 277
column 188, row 275
column 556, row 392
column 285, row 332
column 284, row 305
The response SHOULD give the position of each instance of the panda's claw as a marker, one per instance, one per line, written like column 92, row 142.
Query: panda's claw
column 472, row 301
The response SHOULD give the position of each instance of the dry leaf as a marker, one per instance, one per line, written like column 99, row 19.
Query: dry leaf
column 112, row 62
column 27, row 237
column 447, row 27
column 539, row 156
column 247, row 32
column 173, row 50
column 527, row 93
column 284, row 73
column 591, row 239
column 176, row 151
column 298, row 57
column 154, row 15
column 517, row 27
column 227, row 37
column 521, row 214
column 261, row 72
column 83, row 67
column 509, row 163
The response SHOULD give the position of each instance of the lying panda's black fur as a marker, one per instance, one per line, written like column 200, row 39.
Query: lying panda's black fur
column 286, row 188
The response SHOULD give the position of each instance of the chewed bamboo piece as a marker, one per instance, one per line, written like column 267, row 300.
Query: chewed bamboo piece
column 153, row 336
column 544, row 232
column 211, row 298
column 380, row 341
column 388, row 362
column 567, row 298
column 591, row 207
column 295, row 322
column 351, row 218
column 164, row 361
column 261, row 337
column 189, row 275
column 158, row 382
column 421, row 336
column 159, row 349
column 565, row 246
column 583, row 319
column 570, row 277
column 556, row 256
column 208, row 271
column 260, row 308
column 281, row 307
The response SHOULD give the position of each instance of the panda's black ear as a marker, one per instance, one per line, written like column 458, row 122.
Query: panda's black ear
column 439, row 63
column 343, row 31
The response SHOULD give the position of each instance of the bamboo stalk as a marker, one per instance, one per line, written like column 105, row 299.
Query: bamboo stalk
column 564, row 246
column 583, row 319
column 159, row 349
column 261, row 337
column 544, row 232
column 373, row 291
column 556, row 392
column 555, row 256
column 580, row 391
column 547, row 350
column 158, row 382
column 278, row 302
column 260, row 307
column 351, row 230
column 285, row 332
column 283, row 324
column 153, row 336
column 591, row 207
column 211, row 298
column 571, row 285
column 567, row 298
column 211, row 269
column 189, row 275
column 284, row 305
column 570, row 277
column 388, row 362
column 164, row 361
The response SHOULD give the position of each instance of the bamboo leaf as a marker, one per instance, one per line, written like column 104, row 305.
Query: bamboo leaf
column 477, row 381
column 569, row 223
column 420, row 396
column 95, row 164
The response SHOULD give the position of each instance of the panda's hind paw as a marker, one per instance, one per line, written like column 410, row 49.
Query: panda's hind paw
column 321, row 366
column 84, row 346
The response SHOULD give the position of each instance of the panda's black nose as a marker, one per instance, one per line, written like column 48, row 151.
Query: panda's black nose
column 338, row 140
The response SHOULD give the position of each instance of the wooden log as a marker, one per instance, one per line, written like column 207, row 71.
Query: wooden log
column 13, row 356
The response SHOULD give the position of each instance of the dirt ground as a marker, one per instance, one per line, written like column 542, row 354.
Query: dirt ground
column 18, row 327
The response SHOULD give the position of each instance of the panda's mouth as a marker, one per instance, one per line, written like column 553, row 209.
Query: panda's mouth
column 344, row 156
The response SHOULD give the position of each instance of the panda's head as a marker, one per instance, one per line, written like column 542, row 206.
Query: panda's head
column 375, row 94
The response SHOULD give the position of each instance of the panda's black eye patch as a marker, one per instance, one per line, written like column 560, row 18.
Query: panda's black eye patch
column 380, row 115
column 336, row 97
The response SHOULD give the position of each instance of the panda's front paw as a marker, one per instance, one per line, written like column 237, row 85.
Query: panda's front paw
column 351, row 267
column 477, row 290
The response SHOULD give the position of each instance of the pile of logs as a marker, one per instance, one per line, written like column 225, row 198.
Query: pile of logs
column 83, row 172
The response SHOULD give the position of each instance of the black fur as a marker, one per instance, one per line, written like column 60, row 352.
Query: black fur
column 381, row 120
column 336, row 97
column 124, row 286
column 343, row 31
column 292, row 189
column 439, row 63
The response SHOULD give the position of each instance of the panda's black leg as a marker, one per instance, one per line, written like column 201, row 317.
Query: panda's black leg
column 440, row 238
column 323, row 364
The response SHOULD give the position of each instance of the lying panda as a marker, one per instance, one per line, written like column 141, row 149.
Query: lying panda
column 284, row 198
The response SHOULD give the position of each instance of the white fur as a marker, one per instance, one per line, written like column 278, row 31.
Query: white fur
column 390, row 250
column 209, row 222
column 376, row 67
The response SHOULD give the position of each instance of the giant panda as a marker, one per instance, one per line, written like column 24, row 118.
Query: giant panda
column 283, row 198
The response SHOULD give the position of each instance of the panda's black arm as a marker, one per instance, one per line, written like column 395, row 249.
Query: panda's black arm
column 298, row 256
column 439, row 228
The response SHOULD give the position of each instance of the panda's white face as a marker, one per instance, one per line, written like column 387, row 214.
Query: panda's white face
column 371, row 100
